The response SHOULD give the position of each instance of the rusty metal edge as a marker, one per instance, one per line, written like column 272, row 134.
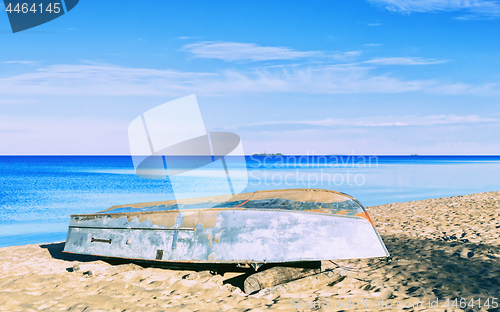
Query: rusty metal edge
column 126, row 214
column 374, row 228
column 264, row 191
column 132, row 228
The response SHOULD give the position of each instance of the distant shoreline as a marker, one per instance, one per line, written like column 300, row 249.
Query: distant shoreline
column 263, row 154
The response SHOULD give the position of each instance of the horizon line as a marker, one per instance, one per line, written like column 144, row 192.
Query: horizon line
column 413, row 155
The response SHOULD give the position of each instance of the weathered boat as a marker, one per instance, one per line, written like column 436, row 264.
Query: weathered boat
column 249, row 228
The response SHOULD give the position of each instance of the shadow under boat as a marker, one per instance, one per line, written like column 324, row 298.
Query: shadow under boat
column 56, row 251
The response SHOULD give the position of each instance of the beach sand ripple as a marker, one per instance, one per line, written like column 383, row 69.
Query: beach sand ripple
column 441, row 248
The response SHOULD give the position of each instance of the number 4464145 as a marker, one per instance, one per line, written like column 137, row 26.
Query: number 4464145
column 478, row 303
column 35, row 8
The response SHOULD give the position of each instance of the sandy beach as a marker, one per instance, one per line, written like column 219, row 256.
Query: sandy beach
column 443, row 248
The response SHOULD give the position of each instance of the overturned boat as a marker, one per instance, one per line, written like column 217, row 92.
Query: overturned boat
column 250, row 228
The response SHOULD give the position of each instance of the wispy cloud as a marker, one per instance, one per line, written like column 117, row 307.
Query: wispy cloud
column 346, row 56
column 16, row 101
column 320, row 79
column 113, row 80
column 236, row 51
column 21, row 62
column 484, row 8
column 55, row 135
column 371, row 24
column 404, row 61
column 391, row 121
column 101, row 80
column 430, row 120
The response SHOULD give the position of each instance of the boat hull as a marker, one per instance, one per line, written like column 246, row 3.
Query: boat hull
column 225, row 236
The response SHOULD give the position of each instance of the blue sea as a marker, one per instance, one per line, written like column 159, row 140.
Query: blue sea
column 39, row 193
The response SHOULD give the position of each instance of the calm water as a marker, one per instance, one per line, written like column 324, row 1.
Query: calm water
column 38, row 193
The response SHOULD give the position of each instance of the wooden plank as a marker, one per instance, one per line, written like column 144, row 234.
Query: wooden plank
column 275, row 276
column 313, row 281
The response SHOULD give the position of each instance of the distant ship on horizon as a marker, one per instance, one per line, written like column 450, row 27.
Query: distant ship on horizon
column 265, row 154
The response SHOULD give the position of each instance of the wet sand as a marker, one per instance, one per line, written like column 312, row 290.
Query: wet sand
column 441, row 248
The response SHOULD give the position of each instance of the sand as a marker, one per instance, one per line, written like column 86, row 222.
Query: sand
column 442, row 249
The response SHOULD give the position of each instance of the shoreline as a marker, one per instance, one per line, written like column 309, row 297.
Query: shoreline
column 441, row 248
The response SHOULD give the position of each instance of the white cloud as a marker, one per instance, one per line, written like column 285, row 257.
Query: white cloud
column 391, row 121
column 108, row 136
column 404, row 61
column 113, row 80
column 68, row 135
column 100, row 80
column 20, row 62
column 373, row 24
column 346, row 56
column 431, row 120
column 489, row 89
column 16, row 101
column 320, row 79
column 486, row 8
column 474, row 140
column 236, row 51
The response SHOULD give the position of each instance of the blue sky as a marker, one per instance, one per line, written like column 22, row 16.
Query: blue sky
column 327, row 77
